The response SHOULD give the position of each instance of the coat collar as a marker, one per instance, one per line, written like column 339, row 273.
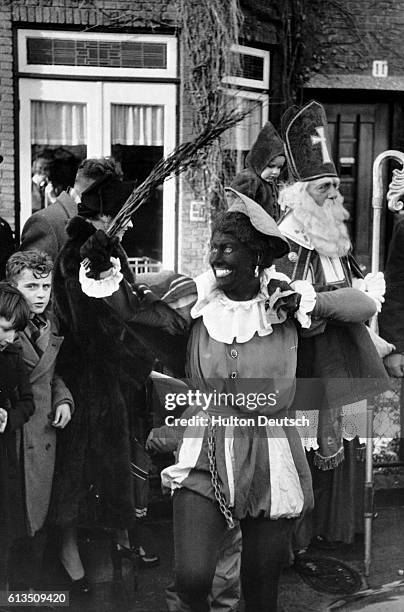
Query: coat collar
column 50, row 343
column 68, row 204
column 292, row 229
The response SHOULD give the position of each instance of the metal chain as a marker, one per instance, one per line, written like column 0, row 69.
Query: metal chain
column 220, row 498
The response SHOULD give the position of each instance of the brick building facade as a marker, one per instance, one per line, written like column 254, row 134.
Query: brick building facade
column 365, row 111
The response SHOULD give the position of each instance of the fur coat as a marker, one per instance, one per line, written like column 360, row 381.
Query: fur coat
column 104, row 361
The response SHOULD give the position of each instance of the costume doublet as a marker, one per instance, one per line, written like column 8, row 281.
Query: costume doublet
column 241, row 347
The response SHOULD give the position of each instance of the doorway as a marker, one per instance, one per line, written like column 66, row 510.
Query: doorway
column 359, row 132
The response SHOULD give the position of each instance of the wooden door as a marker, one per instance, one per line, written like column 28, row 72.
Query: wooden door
column 359, row 132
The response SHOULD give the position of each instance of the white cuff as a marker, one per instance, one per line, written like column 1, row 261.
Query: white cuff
column 359, row 283
column 105, row 286
column 307, row 302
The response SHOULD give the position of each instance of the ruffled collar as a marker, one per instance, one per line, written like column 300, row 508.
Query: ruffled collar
column 227, row 320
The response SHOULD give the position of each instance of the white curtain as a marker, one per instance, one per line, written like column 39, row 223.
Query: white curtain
column 58, row 123
column 137, row 125
column 242, row 135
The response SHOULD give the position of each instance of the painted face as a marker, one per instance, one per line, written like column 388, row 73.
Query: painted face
column 233, row 265
column 273, row 169
column 323, row 189
column 7, row 332
column 36, row 291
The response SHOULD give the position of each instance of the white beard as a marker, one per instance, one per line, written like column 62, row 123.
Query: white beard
column 323, row 225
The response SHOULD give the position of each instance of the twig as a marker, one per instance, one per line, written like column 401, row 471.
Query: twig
column 182, row 158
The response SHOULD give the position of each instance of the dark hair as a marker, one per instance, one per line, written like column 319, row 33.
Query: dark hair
column 13, row 306
column 40, row 263
column 238, row 225
column 44, row 153
column 94, row 168
column 62, row 170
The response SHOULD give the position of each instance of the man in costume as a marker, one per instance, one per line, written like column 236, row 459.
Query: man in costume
column 340, row 359
column 391, row 321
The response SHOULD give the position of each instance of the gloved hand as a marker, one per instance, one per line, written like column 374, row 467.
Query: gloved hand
column 282, row 296
column 98, row 249
column 375, row 285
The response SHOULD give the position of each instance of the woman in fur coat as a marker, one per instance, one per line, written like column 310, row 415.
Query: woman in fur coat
column 107, row 354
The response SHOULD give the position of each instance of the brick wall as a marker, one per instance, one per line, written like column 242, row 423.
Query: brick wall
column 365, row 30
column 118, row 14
column 7, row 177
column 125, row 15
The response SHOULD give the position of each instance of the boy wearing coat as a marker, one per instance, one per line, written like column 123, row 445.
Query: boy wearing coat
column 31, row 273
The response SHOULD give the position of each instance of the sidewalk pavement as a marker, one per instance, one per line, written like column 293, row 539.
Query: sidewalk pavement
column 295, row 595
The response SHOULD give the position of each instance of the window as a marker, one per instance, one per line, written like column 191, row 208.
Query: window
column 254, row 74
column 67, row 119
column 254, row 68
column 94, row 54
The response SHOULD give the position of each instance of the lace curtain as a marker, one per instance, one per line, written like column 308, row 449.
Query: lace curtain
column 58, row 123
column 138, row 125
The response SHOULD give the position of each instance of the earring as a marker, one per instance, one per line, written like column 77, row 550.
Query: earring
column 256, row 271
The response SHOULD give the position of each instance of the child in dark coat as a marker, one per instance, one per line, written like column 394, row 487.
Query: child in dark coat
column 16, row 407
column 264, row 163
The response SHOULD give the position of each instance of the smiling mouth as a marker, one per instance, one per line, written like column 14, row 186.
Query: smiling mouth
column 222, row 272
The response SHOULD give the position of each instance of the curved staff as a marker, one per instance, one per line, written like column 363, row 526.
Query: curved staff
column 396, row 189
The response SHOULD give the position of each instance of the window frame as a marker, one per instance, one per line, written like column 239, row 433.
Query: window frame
column 97, row 71
column 255, row 83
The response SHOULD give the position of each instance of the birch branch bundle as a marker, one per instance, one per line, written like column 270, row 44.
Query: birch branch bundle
column 184, row 157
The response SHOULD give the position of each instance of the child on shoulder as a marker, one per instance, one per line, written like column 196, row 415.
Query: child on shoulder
column 263, row 166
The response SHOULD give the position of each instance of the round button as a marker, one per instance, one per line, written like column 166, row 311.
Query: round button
column 292, row 257
column 234, row 353
column 233, row 375
column 48, row 446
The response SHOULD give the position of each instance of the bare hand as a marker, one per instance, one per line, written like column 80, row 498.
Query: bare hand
column 3, row 419
column 395, row 365
column 62, row 416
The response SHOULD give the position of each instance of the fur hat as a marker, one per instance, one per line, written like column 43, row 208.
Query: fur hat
column 105, row 196
column 259, row 219
column 307, row 142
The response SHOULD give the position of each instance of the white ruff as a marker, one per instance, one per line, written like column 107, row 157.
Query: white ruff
column 228, row 320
